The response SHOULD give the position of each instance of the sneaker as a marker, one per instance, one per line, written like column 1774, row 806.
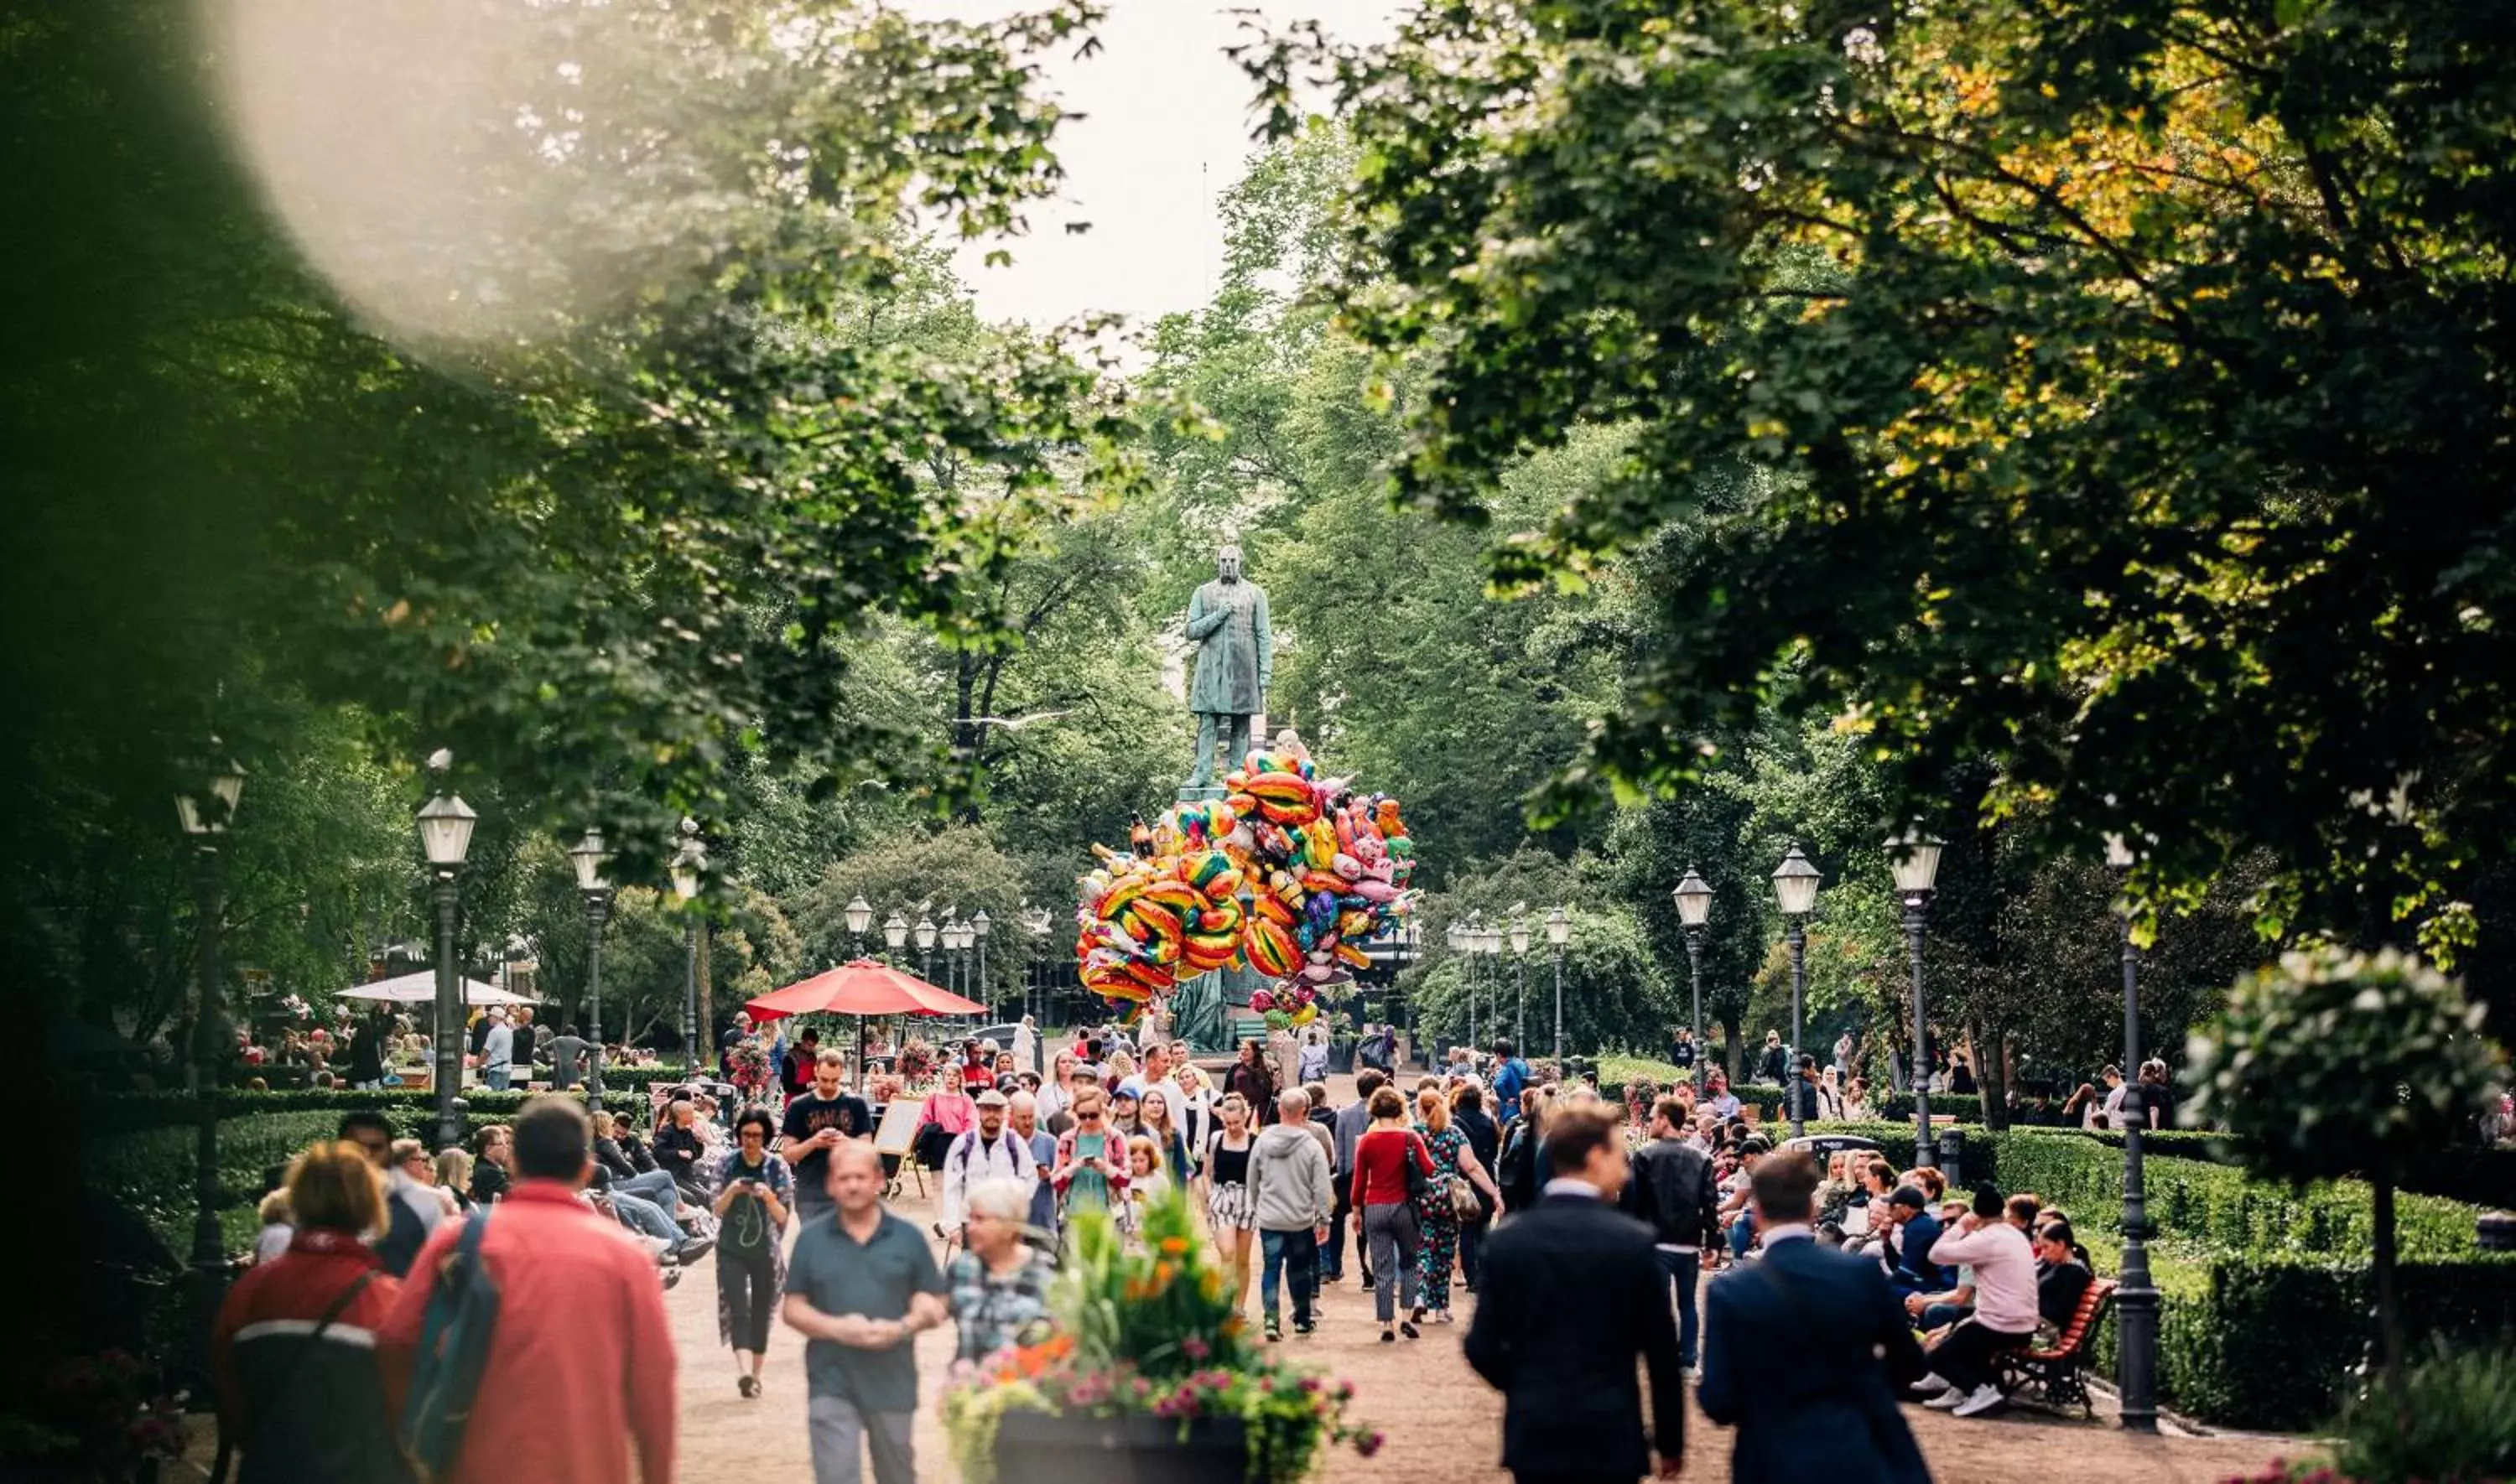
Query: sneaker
column 1367, row 1285
column 1388, row 1337
column 1275, row 1330
column 693, row 1250
column 1932, row 1383
column 658, row 1248
column 1304, row 1327
column 1407, row 1328
column 749, row 1385
column 1983, row 1400
column 1947, row 1401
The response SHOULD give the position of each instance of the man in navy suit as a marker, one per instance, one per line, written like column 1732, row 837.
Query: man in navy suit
column 1792, row 1353
column 1571, row 1293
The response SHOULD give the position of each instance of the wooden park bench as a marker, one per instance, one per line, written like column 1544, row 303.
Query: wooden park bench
column 2060, row 1375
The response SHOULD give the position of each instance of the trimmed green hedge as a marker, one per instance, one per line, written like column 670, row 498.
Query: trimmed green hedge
column 2270, row 1343
column 2195, row 1203
column 137, row 1111
column 2477, row 1176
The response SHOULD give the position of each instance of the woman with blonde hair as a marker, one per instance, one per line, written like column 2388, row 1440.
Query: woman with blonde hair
column 1154, row 1122
column 1057, row 1095
column 294, row 1352
column 1233, row 1216
column 1194, row 1111
column 1438, row 1212
column 454, row 1176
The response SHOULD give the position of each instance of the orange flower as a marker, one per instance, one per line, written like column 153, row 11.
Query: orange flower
column 1174, row 1246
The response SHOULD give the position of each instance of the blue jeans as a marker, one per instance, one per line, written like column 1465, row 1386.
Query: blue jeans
column 1742, row 1236
column 1288, row 1254
column 496, row 1078
column 1681, row 1268
column 645, row 1216
column 656, row 1187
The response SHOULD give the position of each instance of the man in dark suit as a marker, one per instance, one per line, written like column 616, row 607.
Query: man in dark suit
column 1672, row 1192
column 1572, row 1295
column 1791, row 1351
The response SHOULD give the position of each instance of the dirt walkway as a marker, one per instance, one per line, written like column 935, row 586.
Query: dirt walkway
column 1443, row 1424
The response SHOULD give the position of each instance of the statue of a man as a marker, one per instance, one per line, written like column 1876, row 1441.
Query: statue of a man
column 1235, row 657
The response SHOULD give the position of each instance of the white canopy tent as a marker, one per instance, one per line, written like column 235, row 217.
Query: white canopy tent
column 421, row 989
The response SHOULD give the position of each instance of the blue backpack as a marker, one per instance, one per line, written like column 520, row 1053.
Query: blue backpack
column 453, row 1349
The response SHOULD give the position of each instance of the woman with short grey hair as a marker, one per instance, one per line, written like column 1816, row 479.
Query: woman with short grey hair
column 998, row 1288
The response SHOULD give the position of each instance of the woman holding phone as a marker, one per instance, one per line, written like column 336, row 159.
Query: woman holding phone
column 753, row 1191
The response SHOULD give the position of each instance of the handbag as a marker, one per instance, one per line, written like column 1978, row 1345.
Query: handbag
column 1418, row 1184
column 1465, row 1205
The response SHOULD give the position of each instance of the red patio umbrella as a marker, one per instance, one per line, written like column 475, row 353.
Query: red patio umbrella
column 861, row 988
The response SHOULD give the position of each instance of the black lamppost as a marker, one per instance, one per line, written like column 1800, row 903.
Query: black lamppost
column 2136, row 1365
column 926, row 948
column 1915, row 858
column 979, row 926
column 1489, row 945
column 859, row 916
column 446, row 825
column 895, row 937
column 204, row 817
column 1693, row 901
column 689, row 871
column 957, row 956
column 1036, row 922
column 1520, row 983
column 1795, row 884
column 1559, row 931
column 589, row 858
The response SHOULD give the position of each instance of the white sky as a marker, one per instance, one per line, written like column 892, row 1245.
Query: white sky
column 1162, row 103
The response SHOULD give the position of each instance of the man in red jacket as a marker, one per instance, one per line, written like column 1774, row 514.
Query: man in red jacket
column 582, row 1360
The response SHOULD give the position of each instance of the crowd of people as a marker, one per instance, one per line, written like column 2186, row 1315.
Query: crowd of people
column 1558, row 1208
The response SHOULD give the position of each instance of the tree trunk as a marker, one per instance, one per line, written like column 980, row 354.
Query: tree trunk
column 708, row 1006
column 2389, row 1310
column 1990, row 1081
column 1733, row 1048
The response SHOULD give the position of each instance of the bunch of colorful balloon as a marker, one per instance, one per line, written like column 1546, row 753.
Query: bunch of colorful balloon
column 1289, row 873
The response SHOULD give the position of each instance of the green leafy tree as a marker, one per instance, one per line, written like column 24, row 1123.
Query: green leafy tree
column 2342, row 1063
column 920, row 873
column 2111, row 378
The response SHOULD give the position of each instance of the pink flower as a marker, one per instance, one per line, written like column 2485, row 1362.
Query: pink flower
column 1369, row 1444
column 1309, row 1384
column 1196, row 1348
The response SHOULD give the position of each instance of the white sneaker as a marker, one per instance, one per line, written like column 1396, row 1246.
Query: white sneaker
column 1932, row 1383
column 1984, row 1399
column 656, row 1247
column 1946, row 1401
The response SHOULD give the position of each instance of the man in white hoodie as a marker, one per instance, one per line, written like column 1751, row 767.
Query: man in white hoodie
column 1293, row 1195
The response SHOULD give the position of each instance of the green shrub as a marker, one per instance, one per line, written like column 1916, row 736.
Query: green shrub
column 2459, row 1422
column 2197, row 1204
column 2273, row 1342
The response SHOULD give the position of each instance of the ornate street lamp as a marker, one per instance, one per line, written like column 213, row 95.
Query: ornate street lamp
column 859, row 913
column 979, row 926
column 1559, row 931
column 895, row 937
column 446, row 824
column 589, row 857
column 1693, row 901
column 1795, row 884
column 1914, row 859
column 2137, row 1298
column 689, row 872
column 925, row 947
column 204, row 817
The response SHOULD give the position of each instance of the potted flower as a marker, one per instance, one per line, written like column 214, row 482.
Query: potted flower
column 1147, row 1374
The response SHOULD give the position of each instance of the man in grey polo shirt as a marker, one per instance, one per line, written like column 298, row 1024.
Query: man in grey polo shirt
column 860, row 1287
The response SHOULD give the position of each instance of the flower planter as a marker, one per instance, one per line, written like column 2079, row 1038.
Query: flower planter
column 1040, row 1448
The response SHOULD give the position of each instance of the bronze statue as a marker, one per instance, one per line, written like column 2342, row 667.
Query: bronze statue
column 1235, row 658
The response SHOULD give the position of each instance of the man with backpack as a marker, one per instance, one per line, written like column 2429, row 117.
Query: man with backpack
column 557, row 1384
column 987, row 1151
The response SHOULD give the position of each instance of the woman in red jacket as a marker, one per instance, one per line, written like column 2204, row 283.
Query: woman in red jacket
column 299, row 1393
column 1383, row 1216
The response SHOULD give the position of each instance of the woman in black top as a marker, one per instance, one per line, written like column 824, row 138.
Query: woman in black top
column 1468, row 1114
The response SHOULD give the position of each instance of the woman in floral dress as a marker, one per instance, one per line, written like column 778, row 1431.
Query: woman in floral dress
column 1453, row 1161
